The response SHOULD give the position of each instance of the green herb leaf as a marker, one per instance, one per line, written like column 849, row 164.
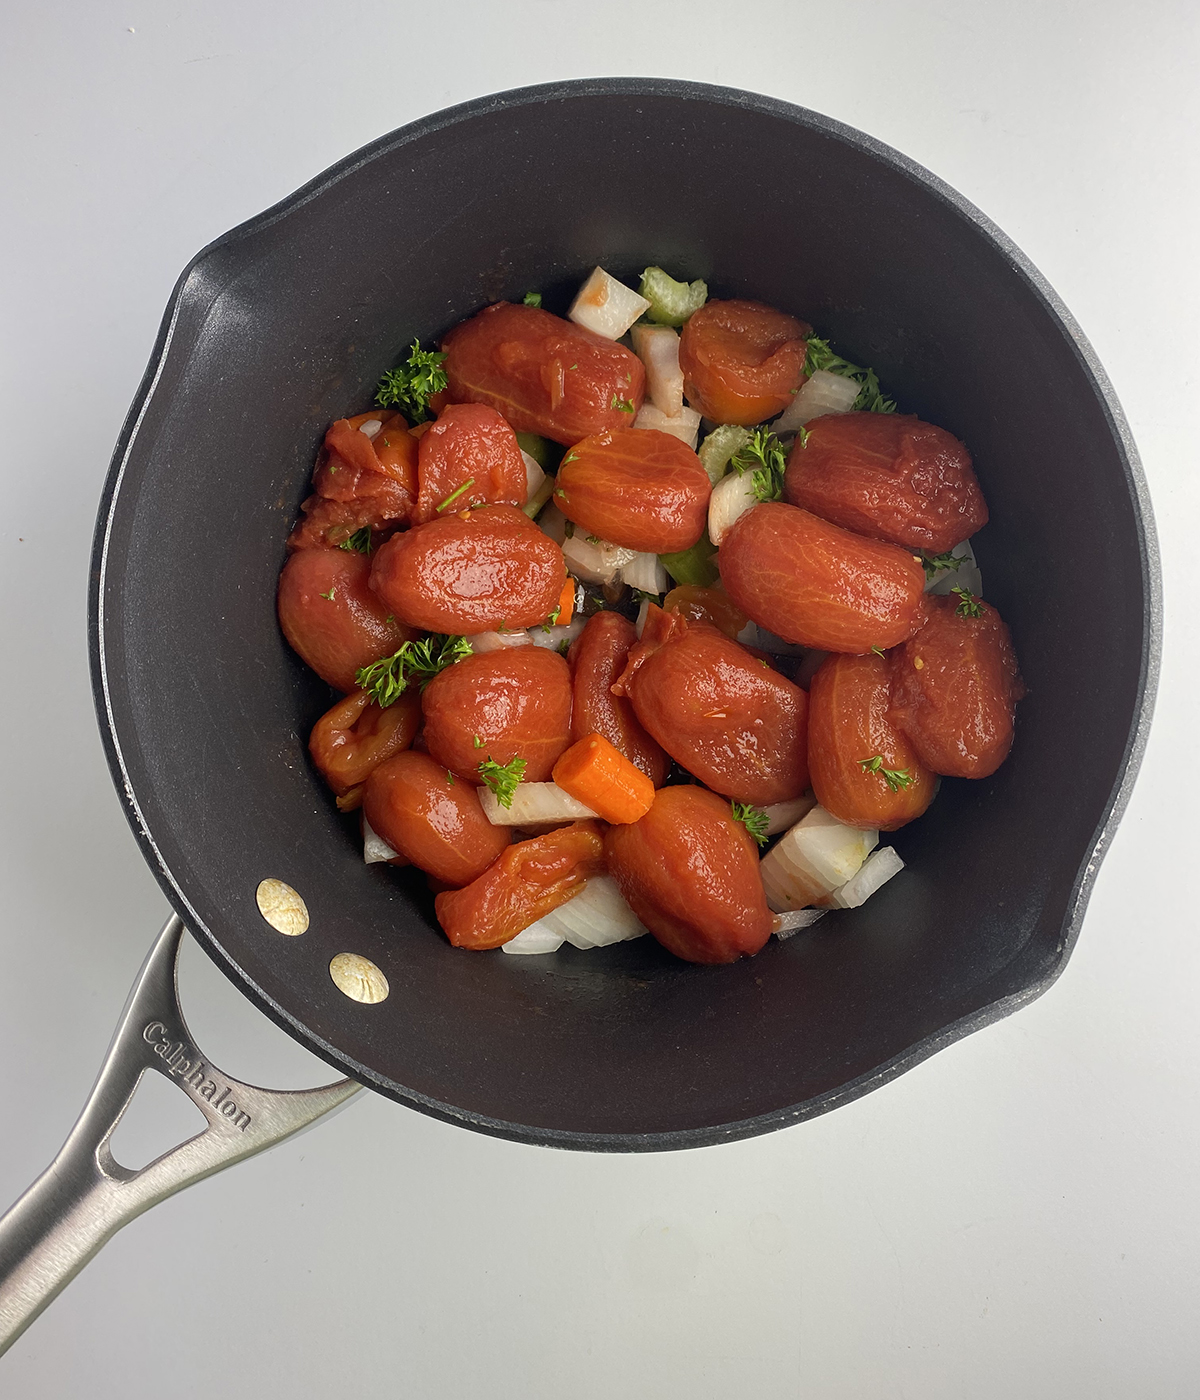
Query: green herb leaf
column 870, row 398
column 408, row 387
column 478, row 742
column 622, row 405
column 896, row 778
column 935, row 563
column 328, row 595
column 454, row 495
column 502, row 778
column 564, row 646
column 532, row 299
column 388, row 679
column 765, row 457
column 449, row 777
column 802, row 436
column 968, row 604
column 359, row 541
column 754, row 819
column 878, row 651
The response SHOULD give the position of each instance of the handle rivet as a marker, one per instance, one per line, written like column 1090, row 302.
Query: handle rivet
column 358, row 978
column 282, row 907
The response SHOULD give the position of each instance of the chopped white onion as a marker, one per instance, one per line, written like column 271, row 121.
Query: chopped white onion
column 795, row 919
column 732, row 496
column 532, row 804
column 553, row 637
column 685, row 426
column 817, row 855
column 967, row 574
column 748, row 636
column 823, row 393
column 876, row 870
column 781, row 815
column 370, row 427
column 606, row 306
column 595, row 563
column 646, row 573
column 537, row 938
column 596, row 917
column 640, row 624
column 375, row 848
column 658, row 349
column 534, row 476
column 497, row 641
column 551, row 521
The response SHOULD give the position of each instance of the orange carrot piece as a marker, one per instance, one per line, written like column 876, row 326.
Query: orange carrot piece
column 602, row 778
column 566, row 603
column 530, row 880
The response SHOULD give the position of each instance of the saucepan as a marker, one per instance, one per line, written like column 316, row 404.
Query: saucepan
column 286, row 323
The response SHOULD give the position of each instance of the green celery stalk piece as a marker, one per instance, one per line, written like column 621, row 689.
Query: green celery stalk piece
column 539, row 498
column 671, row 302
column 695, row 565
column 719, row 446
column 539, row 448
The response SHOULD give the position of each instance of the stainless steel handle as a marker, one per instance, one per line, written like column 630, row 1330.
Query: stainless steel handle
column 84, row 1197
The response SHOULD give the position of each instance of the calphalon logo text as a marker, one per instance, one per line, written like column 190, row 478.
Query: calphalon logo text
column 185, row 1065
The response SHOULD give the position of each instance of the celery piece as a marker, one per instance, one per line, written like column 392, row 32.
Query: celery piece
column 671, row 302
column 719, row 446
column 539, row 497
column 695, row 565
column 537, row 447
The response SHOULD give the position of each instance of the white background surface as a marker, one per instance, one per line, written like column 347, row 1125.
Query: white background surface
column 1016, row 1216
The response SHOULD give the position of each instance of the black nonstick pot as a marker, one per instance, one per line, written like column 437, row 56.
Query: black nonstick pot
column 288, row 321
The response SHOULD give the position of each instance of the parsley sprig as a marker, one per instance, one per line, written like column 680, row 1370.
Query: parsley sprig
column 754, row 819
column 621, row 405
column 532, row 299
column 408, row 387
column 359, row 541
column 502, row 778
column 968, row 604
column 764, row 456
column 896, row 778
column 870, row 396
column 388, row 679
column 935, row 563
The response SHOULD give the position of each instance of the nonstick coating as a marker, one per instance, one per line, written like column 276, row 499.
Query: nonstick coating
column 288, row 321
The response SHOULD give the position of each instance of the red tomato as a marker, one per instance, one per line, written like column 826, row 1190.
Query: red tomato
column 597, row 657
column 889, row 476
column 544, row 374
column 818, row 585
column 848, row 722
column 690, row 874
column 469, row 443
column 741, row 361
column 529, row 880
column 711, row 605
column 356, row 736
column 516, row 703
column 330, row 616
column 359, row 482
column 955, row 689
column 730, row 720
column 635, row 487
column 470, row 572
column 432, row 819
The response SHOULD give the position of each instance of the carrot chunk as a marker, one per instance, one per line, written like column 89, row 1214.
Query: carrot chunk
column 566, row 603
column 531, row 879
column 602, row 778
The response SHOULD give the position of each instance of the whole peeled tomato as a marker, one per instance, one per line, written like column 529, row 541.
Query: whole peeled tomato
column 742, row 361
column 738, row 726
column 864, row 770
column 501, row 705
column 359, row 482
column 545, row 375
column 955, row 688
column 356, row 736
column 635, row 487
column 818, row 585
column 330, row 616
column 432, row 819
column 689, row 871
column 468, row 457
column 472, row 571
column 597, row 657
column 887, row 475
